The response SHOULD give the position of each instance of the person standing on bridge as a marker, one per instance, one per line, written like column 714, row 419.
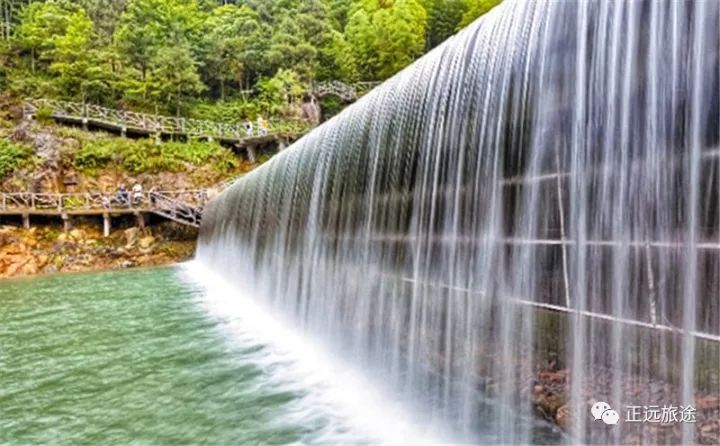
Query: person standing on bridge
column 248, row 127
column 153, row 196
column 122, row 198
column 137, row 194
column 262, row 125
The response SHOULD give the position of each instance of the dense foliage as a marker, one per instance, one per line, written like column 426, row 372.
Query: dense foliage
column 259, row 55
column 145, row 156
column 13, row 156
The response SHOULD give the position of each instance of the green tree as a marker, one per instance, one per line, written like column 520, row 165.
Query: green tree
column 164, row 54
column 288, row 50
column 281, row 90
column 105, row 15
column 444, row 18
column 82, row 72
column 175, row 76
column 148, row 34
column 476, row 8
column 9, row 12
column 146, row 26
column 40, row 24
column 386, row 36
column 235, row 43
column 340, row 62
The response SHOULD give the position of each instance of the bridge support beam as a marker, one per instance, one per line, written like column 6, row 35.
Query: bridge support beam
column 106, row 225
column 67, row 224
column 251, row 154
column 140, row 220
column 26, row 221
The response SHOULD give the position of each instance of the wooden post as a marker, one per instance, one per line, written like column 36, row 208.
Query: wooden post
column 26, row 221
column 106, row 225
column 66, row 222
column 140, row 220
column 251, row 154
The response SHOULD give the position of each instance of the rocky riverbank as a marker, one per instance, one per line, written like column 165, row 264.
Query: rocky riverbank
column 550, row 399
column 42, row 250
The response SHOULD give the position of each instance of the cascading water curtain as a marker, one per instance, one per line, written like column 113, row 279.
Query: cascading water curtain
column 520, row 224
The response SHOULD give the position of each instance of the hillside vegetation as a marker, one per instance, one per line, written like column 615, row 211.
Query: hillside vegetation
column 217, row 59
column 210, row 59
column 43, row 157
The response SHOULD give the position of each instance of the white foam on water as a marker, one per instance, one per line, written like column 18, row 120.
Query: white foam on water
column 335, row 402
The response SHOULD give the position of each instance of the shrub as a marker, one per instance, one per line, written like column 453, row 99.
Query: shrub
column 73, row 202
column 144, row 156
column 226, row 111
column 13, row 156
column 44, row 115
column 94, row 155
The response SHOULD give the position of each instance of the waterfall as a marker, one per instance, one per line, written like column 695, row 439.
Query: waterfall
column 529, row 212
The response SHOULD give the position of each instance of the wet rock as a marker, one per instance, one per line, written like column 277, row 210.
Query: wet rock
column 709, row 433
column 30, row 267
column 710, row 402
column 24, row 252
column 146, row 242
column 537, row 391
column 562, row 418
column 131, row 236
column 549, row 403
column 42, row 260
column 14, row 249
column 555, row 377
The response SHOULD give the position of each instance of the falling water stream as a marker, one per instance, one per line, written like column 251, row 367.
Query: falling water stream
column 538, row 193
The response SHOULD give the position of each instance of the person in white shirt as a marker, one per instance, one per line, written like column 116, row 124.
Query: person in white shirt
column 137, row 194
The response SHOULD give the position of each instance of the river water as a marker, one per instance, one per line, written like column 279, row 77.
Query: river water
column 170, row 355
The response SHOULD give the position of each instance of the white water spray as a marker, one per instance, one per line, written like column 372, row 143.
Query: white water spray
column 338, row 404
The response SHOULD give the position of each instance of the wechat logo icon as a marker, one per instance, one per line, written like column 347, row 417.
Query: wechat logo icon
column 602, row 411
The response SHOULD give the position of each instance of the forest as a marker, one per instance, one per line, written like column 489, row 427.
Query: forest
column 215, row 59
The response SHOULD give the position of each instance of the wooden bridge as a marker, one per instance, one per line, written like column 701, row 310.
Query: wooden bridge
column 148, row 125
column 346, row 92
column 183, row 206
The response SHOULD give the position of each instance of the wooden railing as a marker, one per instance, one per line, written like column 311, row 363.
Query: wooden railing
column 178, row 210
column 19, row 201
column 125, row 121
column 183, row 206
column 346, row 92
